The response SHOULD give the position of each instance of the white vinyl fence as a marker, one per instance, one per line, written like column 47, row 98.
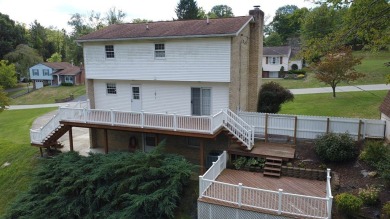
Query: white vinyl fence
column 309, row 127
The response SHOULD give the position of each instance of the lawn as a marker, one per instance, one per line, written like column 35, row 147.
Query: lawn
column 49, row 94
column 362, row 104
column 15, row 149
column 372, row 65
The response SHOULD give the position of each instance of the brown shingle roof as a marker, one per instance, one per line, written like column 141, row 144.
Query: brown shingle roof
column 276, row 50
column 57, row 65
column 385, row 106
column 73, row 70
column 166, row 29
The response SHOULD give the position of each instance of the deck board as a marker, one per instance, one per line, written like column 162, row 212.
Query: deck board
column 265, row 149
column 257, row 180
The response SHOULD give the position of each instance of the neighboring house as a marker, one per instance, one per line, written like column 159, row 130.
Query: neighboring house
column 276, row 57
column 55, row 73
column 385, row 114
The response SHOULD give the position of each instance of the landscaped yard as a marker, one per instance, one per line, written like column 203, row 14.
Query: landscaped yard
column 363, row 104
column 49, row 94
column 372, row 65
column 17, row 157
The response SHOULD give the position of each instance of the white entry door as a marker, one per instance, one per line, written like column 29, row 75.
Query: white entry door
column 136, row 98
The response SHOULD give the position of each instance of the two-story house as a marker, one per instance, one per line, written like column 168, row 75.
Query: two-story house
column 274, row 58
column 55, row 73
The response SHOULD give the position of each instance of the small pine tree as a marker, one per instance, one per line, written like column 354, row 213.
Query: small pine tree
column 187, row 10
column 272, row 96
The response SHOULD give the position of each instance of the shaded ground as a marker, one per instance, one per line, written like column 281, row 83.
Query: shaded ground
column 350, row 175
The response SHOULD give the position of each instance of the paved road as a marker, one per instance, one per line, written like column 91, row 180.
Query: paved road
column 341, row 89
column 18, row 107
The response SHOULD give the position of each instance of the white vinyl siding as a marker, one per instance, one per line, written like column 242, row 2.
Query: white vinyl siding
column 160, row 97
column 274, row 63
column 40, row 72
column 185, row 60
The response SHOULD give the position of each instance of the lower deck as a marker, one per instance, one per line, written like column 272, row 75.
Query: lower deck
column 265, row 149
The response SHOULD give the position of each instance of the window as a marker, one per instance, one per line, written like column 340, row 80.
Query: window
column 110, row 51
column 35, row 72
column 135, row 93
column 159, row 50
column 68, row 79
column 201, row 101
column 111, row 88
column 45, row 72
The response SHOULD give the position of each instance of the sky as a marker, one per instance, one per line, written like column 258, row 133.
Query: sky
column 56, row 13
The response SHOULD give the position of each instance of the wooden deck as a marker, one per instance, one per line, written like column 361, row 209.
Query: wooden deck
column 264, row 149
column 296, row 205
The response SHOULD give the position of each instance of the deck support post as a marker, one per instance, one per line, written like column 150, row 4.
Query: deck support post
column 266, row 127
column 40, row 150
column 327, row 125
column 70, row 139
column 360, row 130
column 280, row 201
column 202, row 169
column 105, row 141
column 295, row 130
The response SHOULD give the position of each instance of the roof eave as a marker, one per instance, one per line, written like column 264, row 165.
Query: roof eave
column 252, row 19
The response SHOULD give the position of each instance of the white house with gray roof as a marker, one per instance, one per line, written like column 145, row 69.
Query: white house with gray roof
column 274, row 58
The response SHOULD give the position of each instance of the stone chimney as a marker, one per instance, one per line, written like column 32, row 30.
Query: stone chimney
column 255, row 56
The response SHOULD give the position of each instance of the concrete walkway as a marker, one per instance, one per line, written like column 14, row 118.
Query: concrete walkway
column 341, row 89
column 18, row 107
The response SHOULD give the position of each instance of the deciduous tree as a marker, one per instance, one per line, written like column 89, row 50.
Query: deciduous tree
column 56, row 57
column 336, row 67
column 115, row 16
column 187, row 10
column 220, row 11
column 4, row 100
column 11, row 35
column 271, row 96
column 23, row 57
column 7, row 74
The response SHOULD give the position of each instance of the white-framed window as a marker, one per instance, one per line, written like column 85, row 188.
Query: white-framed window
column 200, row 101
column 45, row 72
column 159, row 50
column 68, row 79
column 111, row 88
column 35, row 72
column 110, row 54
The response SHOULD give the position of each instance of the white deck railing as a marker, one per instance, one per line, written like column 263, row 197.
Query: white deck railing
column 275, row 201
column 79, row 112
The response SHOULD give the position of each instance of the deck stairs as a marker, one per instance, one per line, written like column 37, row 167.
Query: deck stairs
column 273, row 166
column 51, row 139
column 238, row 130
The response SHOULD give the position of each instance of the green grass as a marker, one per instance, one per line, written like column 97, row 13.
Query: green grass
column 372, row 65
column 346, row 104
column 15, row 93
column 49, row 94
column 15, row 149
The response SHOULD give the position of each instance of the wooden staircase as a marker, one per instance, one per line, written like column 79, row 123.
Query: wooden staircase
column 51, row 139
column 273, row 167
column 235, row 140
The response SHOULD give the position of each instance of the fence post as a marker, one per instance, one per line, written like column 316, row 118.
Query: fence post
column 253, row 135
column 239, row 194
column 213, row 166
column 359, row 130
column 365, row 129
column 211, row 124
column 329, row 206
column 174, row 122
column 327, row 125
column 266, row 127
column 142, row 118
column 200, row 186
column 280, row 201
column 40, row 134
column 85, row 115
column 112, row 116
column 295, row 130
column 88, row 107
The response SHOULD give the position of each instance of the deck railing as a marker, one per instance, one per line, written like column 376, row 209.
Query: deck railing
column 275, row 201
column 173, row 122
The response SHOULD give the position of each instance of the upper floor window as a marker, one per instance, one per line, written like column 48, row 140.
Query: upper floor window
column 274, row 60
column 35, row 72
column 45, row 72
column 159, row 50
column 110, row 51
column 111, row 88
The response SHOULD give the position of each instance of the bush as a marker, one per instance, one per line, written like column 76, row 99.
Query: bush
column 239, row 162
column 383, row 168
column 271, row 96
column 298, row 72
column 67, row 84
column 335, row 147
column 370, row 195
column 386, row 210
column 300, row 76
column 294, row 67
column 374, row 152
column 348, row 203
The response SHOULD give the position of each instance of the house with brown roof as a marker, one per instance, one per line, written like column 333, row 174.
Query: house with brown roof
column 385, row 114
column 55, row 73
column 274, row 58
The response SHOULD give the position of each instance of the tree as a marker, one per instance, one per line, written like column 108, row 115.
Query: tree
column 187, row 10
column 274, row 39
column 23, row 57
column 56, row 57
column 4, row 100
column 11, row 34
column 221, row 11
column 7, row 74
column 271, row 96
column 139, row 20
column 114, row 16
column 336, row 67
